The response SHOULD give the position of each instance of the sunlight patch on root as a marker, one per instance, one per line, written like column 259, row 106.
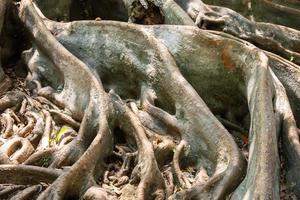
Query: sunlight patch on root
column 96, row 193
column 17, row 149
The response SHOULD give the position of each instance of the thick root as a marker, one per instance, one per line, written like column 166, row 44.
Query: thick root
column 188, row 96
column 151, row 184
column 158, row 139
column 82, row 173
column 18, row 174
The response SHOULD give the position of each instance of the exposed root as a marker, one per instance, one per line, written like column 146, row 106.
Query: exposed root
column 44, row 142
column 19, row 174
column 198, row 191
column 11, row 99
column 17, row 149
column 9, row 190
column 27, row 193
column 28, row 128
column 96, row 131
column 38, row 129
column 165, row 85
column 65, row 137
column 96, row 193
column 281, row 40
column 290, row 136
column 151, row 182
column 8, row 124
column 182, row 180
column 169, row 120
column 46, row 101
column 163, row 148
column 66, row 118
column 41, row 158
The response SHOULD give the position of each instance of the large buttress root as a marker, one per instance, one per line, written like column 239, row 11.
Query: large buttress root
column 173, row 146
column 278, row 39
column 256, row 80
column 94, row 135
column 161, row 78
column 281, row 40
column 251, row 80
column 264, row 10
column 287, row 125
column 285, row 43
column 263, row 86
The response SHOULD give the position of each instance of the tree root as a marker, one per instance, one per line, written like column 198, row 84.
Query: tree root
column 17, row 149
column 266, row 36
column 41, row 158
column 268, row 10
column 8, row 121
column 172, row 70
column 11, row 99
column 38, row 129
column 8, row 190
column 184, row 183
column 66, row 118
column 20, row 174
column 27, row 193
column 260, row 34
column 265, row 83
column 28, row 128
column 96, row 138
column 233, row 154
column 96, row 193
column 44, row 142
column 290, row 134
column 151, row 183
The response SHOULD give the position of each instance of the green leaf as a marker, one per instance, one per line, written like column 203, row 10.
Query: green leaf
column 65, row 129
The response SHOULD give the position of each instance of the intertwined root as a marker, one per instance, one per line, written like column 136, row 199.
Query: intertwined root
column 133, row 126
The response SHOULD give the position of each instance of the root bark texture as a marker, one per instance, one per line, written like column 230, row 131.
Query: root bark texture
column 116, row 110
